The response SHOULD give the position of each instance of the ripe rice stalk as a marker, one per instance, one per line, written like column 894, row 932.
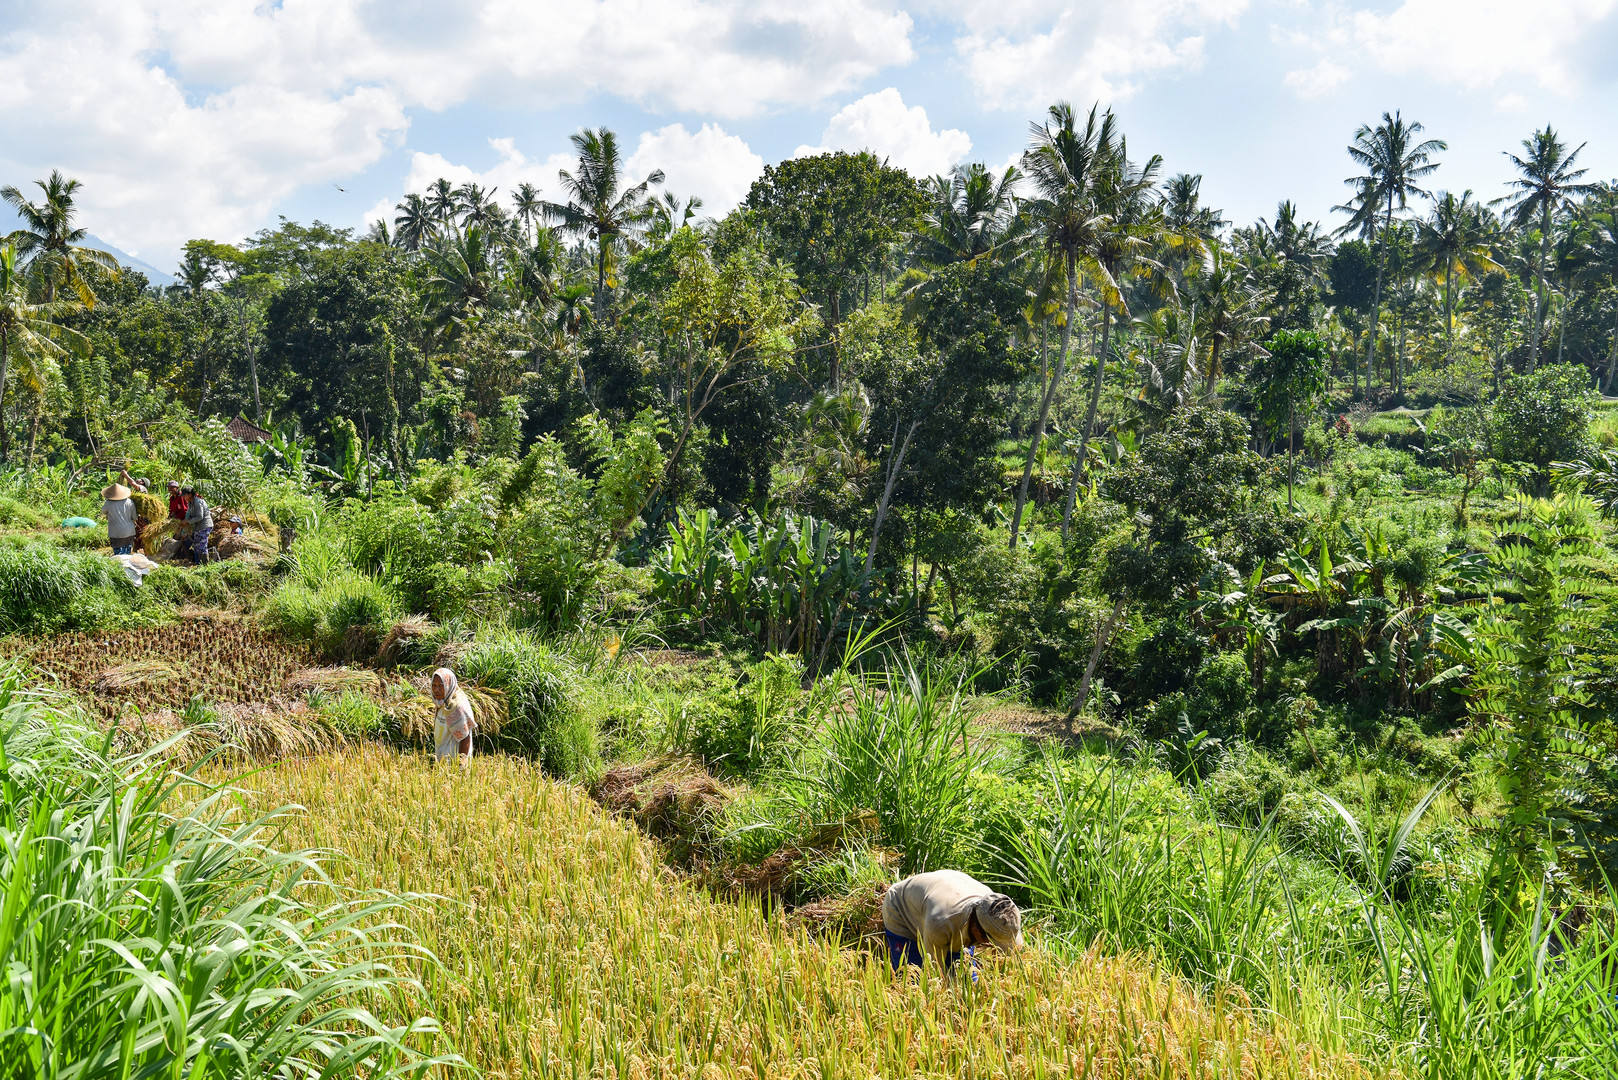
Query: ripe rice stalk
column 332, row 680
column 626, row 970
column 134, row 674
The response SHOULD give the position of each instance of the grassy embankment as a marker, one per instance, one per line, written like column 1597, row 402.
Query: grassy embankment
column 569, row 949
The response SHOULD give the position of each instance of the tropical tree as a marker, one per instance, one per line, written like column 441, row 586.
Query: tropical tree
column 1066, row 167
column 1227, row 307
column 1599, row 269
column 442, row 203
column 50, row 241
column 970, row 213
column 29, row 333
column 1130, row 228
column 464, row 276
column 1454, row 239
column 415, row 223
column 528, row 208
column 670, row 213
column 599, row 206
column 1393, row 162
column 1546, row 184
column 1292, row 373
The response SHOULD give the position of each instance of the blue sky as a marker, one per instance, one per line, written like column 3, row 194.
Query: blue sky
column 208, row 118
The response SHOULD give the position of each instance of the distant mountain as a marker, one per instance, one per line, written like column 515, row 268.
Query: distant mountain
column 8, row 222
column 156, row 276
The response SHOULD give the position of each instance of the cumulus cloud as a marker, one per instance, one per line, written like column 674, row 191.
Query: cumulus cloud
column 188, row 117
column 1317, row 81
column 1480, row 43
column 883, row 124
column 1022, row 54
column 709, row 163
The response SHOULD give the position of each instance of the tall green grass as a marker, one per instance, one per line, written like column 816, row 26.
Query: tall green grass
column 46, row 588
column 146, row 931
column 1472, row 988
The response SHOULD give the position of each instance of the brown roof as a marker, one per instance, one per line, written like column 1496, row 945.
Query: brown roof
column 247, row 433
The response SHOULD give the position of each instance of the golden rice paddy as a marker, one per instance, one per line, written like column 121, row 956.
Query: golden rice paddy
column 568, row 948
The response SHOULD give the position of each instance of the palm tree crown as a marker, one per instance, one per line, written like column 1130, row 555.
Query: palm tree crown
column 599, row 207
column 51, row 242
column 1546, row 183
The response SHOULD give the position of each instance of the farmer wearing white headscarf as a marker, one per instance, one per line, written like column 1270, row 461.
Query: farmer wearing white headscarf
column 453, row 722
column 943, row 914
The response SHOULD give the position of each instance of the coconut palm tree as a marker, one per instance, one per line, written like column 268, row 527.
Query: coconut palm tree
column 442, row 202
column 670, row 214
column 29, row 333
column 463, row 278
column 1068, row 169
column 598, row 206
column 1454, row 239
column 415, row 223
column 528, row 207
column 1393, row 162
column 50, row 241
column 1229, row 309
column 1129, row 229
column 970, row 213
column 1048, row 286
column 1546, row 184
column 474, row 205
column 1599, row 269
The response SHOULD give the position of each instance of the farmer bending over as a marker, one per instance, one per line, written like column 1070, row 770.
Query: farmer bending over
column 453, row 722
column 946, row 912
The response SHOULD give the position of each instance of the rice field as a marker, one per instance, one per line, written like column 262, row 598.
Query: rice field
column 222, row 657
column 568, row 948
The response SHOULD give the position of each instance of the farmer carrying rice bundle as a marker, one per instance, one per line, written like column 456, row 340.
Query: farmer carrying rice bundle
column 453, row 722
column 943, row 914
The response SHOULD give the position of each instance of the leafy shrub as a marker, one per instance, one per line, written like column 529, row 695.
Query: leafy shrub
column 541, row 692
column 744, row 729
column 344, row 617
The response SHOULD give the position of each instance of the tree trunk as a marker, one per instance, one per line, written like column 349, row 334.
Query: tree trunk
column 1290, row 457
column 1376, row 301
column 1213, row 368
column 1539, row 291
column 1612, row 358
column 1449, row 314
column 5, row 363
column 887, row 491
column 252, row 361
column 1046, row 400
column 1089, row 416
column 1102, row 635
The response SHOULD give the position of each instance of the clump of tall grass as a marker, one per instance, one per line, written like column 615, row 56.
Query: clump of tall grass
column 899, row 747
column 45, row 588
column 541, row 691
column 140, row 940
column 339, row 610
column 1474, row 988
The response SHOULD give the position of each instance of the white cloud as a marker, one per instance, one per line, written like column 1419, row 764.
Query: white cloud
column 513, row 168
column 1479, row 43
column 1317, row 81
column 200, row 117
column 882, row 123
column 710, row 163
column 1026, row 53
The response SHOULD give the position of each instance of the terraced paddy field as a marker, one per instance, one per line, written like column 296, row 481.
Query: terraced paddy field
column 568, row 948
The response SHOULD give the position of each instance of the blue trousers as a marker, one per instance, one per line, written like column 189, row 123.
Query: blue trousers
column 903, row 950
column 123, row 545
